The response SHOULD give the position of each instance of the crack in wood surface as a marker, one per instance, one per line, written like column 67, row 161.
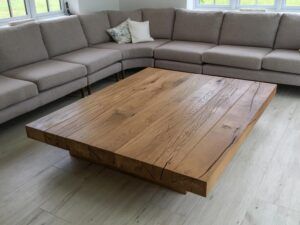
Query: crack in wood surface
column 234, row 138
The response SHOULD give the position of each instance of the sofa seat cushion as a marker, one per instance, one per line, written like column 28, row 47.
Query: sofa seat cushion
column 182, row 51
column 131, row 51
column 49, row 73
column 236, row 56
column 283, row 61
column 13, row 91
column 94, row 59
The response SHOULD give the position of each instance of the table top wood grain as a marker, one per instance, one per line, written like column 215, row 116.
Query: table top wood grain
column 177, row 129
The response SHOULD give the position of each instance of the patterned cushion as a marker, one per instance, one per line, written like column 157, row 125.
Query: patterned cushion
column 121, row 33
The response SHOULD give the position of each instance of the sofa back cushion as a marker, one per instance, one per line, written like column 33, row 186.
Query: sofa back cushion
column 288, row 35
column 250, row 29
column 94, row 26
column 117, row 17
column 197, row 26
column 21, row 45
column 63, row 35
column 161, row 22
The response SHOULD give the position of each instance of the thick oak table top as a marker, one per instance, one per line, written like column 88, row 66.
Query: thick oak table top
column 177, row 129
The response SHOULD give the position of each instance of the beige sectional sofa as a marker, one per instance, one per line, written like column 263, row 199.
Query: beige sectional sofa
column 41, row 62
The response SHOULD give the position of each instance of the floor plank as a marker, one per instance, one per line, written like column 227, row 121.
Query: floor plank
column 41, row 217
column 281, row 183
column 261, row 213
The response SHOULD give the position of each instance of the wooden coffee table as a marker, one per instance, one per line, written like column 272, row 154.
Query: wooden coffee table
column 176, row 129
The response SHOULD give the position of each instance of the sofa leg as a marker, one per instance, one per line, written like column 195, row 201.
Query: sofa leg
column 82, row 93
column 117, row 77
column 89, row 90
column 123, row 74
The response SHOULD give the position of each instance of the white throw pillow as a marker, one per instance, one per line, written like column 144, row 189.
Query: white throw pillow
column 121, row 33
column 140, row 31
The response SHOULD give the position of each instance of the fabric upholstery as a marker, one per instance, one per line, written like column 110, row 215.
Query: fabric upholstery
column 63, row 35
column 42, row 99
column 48, row 96
column 236, row 56
column 178, row 66
column 182, row 51
column 18, row 109
column 283, row 61
column 94, row 59
column 49, row 73
column 138, row 50
column 161, row 22
column 197, row 26
column 261, row 75
column 288, row 37
column 21, row 45
column 13, row 91
column 117, row 17
column 250, row 29
column 95, row 26
column 106, row 72
column 137, row 63
column 140, row 31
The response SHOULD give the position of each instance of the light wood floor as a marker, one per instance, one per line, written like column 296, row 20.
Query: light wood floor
column 40, row 184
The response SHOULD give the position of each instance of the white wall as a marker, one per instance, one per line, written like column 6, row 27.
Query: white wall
column 136, row 4
column 85, row 6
